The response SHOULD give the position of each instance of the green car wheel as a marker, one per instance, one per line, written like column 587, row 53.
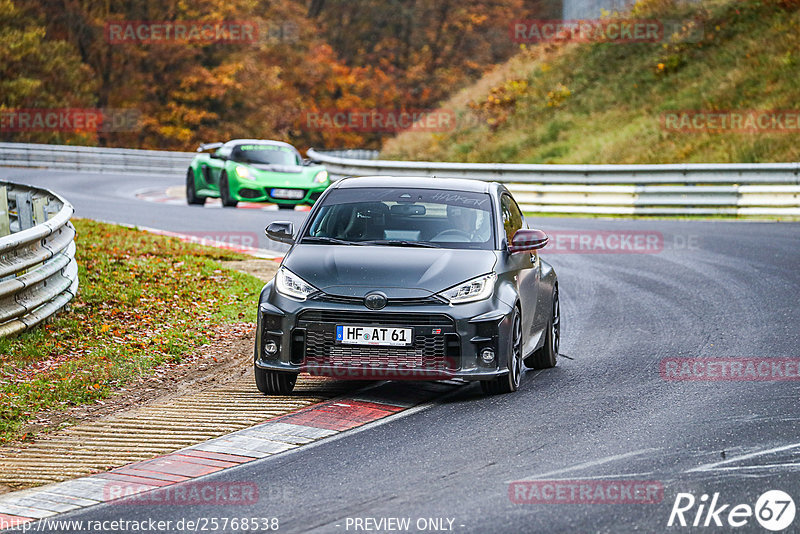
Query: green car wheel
column 191, row 193
column 225, row 192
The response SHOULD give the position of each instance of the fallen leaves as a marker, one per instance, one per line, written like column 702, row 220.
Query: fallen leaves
column 145, row 302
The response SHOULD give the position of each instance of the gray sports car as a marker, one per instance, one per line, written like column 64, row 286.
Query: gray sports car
column 409, row 278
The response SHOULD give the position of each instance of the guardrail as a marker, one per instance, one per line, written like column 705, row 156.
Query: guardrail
column 116, row 160
column 762, row 189
column 758, row 189
column 38, row 272
column 348, row 153
column 94, row 159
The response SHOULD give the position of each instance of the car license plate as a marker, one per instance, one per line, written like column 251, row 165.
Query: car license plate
column 288, row 194
column 374, row 335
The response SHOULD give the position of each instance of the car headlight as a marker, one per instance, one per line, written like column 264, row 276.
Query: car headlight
column 321, row 177
column 290, row 285
column 479, row 288
column 244, row 172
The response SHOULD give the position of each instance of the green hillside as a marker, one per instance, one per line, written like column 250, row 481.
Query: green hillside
column 605, row 102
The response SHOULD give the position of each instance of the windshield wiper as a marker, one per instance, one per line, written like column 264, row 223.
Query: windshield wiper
column 400, row 243
column 327, row 240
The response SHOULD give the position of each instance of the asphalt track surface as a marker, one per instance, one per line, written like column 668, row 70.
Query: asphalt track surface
column 714, row 289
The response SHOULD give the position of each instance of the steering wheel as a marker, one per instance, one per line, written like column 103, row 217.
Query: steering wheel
column 454, row 233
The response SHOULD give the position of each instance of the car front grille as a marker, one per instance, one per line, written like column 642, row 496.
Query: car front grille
column 376, row 318
column 418, row 301
column 436, row 345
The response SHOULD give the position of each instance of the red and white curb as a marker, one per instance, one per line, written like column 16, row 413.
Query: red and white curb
column 281, row 434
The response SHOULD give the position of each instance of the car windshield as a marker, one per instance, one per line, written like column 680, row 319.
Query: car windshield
column 403, row 217
column 265, row 155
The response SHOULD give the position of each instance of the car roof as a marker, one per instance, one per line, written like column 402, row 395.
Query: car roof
column 420, row 182
column 233, row 142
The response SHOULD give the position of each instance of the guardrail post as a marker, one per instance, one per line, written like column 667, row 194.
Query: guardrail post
column 39, row 214
column 24, row 210
column 5, row 217
column 39, row 217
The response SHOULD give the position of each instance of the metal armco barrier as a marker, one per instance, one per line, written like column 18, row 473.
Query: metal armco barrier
column 38, row 272
column 92, row 159
column 747, row 189
column 757, row 189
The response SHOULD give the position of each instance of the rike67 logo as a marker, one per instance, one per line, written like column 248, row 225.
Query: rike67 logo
column 774, row 510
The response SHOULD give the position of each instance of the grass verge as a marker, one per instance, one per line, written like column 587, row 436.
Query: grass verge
column 144, row 300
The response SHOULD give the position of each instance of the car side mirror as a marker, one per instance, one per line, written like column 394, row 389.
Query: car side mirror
column 281, row 231
column 214, row 155
column 526, row 240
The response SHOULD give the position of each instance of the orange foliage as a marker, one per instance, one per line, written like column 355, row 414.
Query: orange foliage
column 339, row 54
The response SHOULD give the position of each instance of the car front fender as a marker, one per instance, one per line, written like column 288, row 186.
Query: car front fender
column 544, row 302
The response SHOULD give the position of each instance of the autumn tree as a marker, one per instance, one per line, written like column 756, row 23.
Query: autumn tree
column 40, row 72
column 341, row 54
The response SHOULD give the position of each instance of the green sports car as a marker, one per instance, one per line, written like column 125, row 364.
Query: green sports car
column 254, row 170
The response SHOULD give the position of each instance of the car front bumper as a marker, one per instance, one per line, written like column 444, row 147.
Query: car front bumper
column 261, row 191
column 448, row 340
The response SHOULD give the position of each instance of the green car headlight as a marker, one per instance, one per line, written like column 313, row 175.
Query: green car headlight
column 244, row 172
column 321, row 177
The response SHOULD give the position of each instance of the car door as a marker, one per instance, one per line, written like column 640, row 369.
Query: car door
column 526, row 266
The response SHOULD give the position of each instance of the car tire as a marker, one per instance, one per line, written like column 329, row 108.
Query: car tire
column 510, row 382
column 191, row 192
column 274, row 382
column 545, row 357
column 225, row 192
column 286, row 206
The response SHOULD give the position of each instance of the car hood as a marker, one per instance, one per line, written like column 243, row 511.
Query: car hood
column 400, row 272
column 290, row 169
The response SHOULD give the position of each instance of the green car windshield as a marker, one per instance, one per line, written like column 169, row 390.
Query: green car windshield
column 265, row 155
column 404, row 217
